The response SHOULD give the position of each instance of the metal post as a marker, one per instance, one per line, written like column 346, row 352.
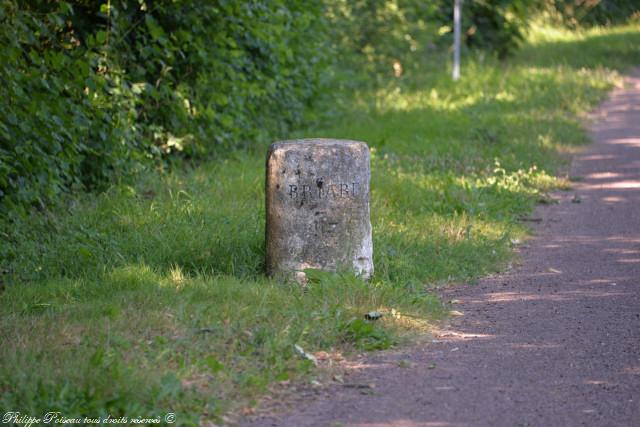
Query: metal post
column 456, row 39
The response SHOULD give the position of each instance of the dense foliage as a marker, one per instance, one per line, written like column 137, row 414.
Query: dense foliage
column 577, row 13
column 93, row 91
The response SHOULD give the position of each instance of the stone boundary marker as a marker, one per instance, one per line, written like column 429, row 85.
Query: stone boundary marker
column 317, row 202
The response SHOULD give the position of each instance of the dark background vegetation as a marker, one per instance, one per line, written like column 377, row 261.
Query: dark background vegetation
column 93, row 91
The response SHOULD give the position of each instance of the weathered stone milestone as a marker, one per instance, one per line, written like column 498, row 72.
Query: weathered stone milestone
column 317, row 197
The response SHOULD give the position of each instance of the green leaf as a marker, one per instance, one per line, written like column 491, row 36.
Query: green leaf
column 154, row 29
column 101, row 36
column 214, row 364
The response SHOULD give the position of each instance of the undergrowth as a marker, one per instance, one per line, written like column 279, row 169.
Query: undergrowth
column 151, row 298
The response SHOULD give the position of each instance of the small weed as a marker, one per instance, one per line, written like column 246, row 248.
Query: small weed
column 366, row 336
column 404, row 364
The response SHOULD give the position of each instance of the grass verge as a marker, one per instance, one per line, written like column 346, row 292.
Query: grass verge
column 151, row 298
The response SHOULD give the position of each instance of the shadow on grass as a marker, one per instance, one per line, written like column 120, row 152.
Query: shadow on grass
column 432, row 167
column 440, row 150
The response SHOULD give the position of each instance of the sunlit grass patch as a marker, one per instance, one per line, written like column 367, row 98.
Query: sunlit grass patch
column 138, row 340
column 153, row 295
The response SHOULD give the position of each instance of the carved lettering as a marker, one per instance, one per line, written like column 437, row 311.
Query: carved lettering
column 344, row 190
column 293, row 191
column 323, row 226
column 332, row 190
column 323, row 190
column 306, row 190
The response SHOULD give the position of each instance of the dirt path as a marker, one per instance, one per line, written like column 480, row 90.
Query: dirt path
column 554, row 343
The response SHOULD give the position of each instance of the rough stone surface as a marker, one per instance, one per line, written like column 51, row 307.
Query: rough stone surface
column 317, row 197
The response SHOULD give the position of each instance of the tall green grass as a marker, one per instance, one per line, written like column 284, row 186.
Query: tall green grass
column 151, row 298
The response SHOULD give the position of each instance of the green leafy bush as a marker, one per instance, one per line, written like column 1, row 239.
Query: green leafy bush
column 369, row 35
column 575, row 13
column 220, row 74
column 94, row 91
column 494, row 25
column 66, row 118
